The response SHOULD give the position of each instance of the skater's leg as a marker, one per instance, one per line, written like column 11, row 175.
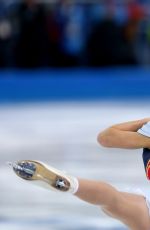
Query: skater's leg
column 97, row 193
column 124, row 207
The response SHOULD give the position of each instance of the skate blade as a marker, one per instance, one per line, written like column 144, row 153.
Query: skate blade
column 37, row 171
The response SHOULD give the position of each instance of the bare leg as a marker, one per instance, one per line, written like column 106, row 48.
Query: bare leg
column 125, row 207
column 97, row 193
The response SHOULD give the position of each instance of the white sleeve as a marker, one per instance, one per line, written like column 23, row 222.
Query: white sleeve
column 145, row 129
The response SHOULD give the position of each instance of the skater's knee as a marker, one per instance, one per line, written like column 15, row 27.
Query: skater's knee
column 114, row 206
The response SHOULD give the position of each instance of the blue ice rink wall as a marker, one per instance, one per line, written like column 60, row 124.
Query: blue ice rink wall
column 74, row 84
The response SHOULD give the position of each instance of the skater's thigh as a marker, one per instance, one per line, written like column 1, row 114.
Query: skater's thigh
column 131, row 209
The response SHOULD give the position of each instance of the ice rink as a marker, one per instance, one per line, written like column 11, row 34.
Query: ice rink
column 64, row 135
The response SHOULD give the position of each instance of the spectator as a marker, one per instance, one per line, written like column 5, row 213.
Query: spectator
column 5, row 36
column 31, row 49
column 113, row 44
column 54, row 28
column 127, row 43
column 73, row 33
column 102, row 46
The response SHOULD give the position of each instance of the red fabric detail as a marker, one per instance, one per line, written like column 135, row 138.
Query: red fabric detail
column 148, row 171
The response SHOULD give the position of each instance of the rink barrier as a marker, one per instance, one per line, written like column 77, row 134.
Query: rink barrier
column 74, row 84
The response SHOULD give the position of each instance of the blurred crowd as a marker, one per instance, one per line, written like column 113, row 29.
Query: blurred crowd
column 67, row 33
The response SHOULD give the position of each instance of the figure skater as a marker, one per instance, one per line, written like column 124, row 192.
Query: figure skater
column 131, row 208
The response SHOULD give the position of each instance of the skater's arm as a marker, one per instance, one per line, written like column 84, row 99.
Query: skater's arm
column 125, row 135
